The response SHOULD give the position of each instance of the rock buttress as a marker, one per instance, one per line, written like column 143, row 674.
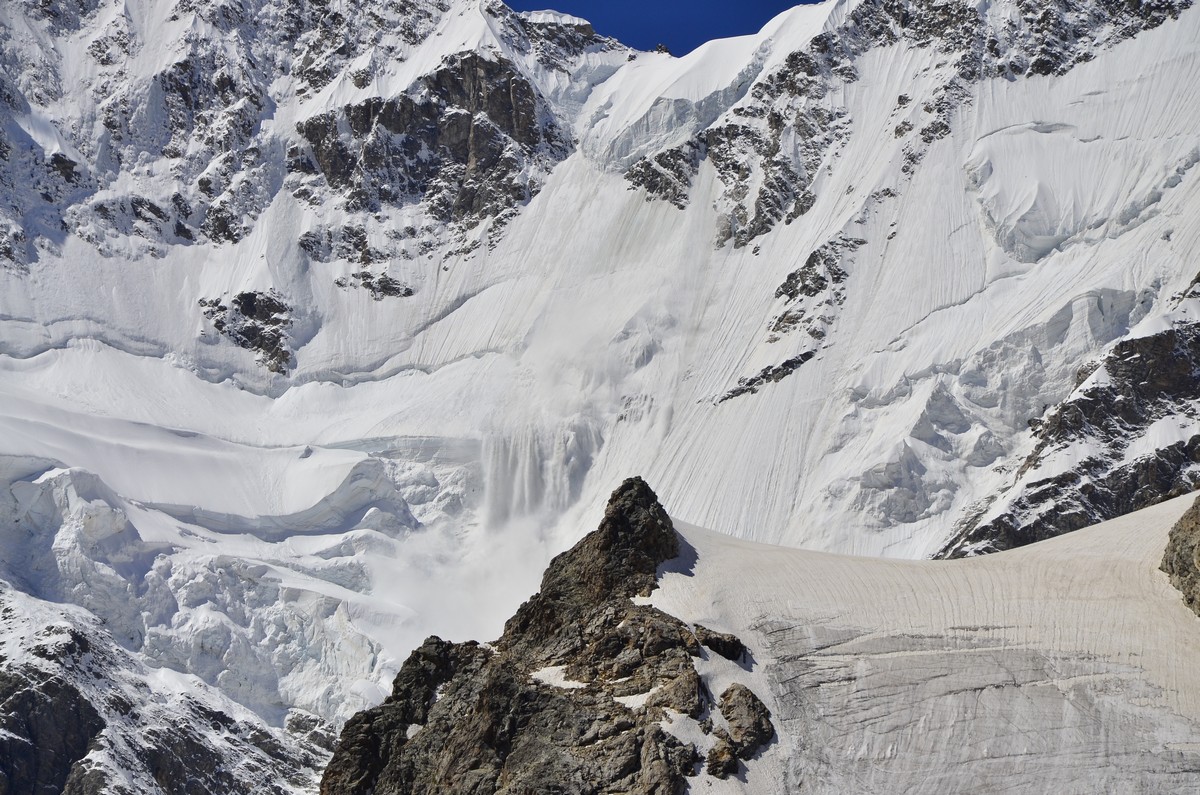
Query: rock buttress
column 568, row 700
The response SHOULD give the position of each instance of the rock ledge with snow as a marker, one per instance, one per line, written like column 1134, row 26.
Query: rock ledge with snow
column 572, row 696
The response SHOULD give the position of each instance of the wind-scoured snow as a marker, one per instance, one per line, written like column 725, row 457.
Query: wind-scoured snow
column 1064, row 666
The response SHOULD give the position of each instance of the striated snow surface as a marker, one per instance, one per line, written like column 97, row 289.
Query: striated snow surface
column 1064, row 666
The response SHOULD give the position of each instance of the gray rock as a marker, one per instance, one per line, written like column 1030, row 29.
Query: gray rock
column 1180, row 560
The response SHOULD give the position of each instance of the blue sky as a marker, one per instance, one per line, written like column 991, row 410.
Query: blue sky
column 680, row 24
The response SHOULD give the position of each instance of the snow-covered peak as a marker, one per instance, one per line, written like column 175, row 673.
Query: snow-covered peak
column 555, row 18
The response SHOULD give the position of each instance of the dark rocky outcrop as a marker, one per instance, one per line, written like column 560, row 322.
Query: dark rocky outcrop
column 768, row 375
column 256, row 321
column 1180, row 560
column 822, row 268
column 48, row 726
column 667, row 175
column 380, row 285
column 78, row 717
column 750, row 729
column 616, row 562
column 569, row 699
column 748, row 718
column 728, row 646
column 463, row 140
column 1141, row 381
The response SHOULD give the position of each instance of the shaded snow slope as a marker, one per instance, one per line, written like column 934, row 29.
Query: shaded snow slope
column 1064, row 666
column 82, row 715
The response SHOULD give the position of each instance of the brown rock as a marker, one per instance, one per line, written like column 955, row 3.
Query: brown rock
column 1180, row 560
column 722, row 759
column 748, row 718
column 728, row 646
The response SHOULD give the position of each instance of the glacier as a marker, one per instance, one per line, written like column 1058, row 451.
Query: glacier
column 325, row 326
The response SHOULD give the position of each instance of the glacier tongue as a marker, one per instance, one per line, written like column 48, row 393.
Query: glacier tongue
column 324, row 326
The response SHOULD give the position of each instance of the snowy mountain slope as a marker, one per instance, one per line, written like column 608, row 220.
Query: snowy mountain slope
column 483, row 308
column 1124, row 438
column 82, row 715
column 323, row 326
column 1063, row 666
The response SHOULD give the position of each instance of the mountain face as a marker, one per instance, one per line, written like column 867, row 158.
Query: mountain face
column 573, row 696
column 323, row 325
column 82, row 715
column 1127, row 432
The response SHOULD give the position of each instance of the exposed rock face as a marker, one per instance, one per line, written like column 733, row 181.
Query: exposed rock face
column 728, row 646
column 812, row 293
column 748, row 718
column 569, row 699
column 380, row 285
column 749, row 730
column 667, row 175
column 768, row 375
column 1180, row 560
column 48, row 726
column 257, row 321
column 464, row 141
column 616, row 562
column 1124, row 440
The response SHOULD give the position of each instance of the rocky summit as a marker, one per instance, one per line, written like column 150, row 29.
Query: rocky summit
column 573, row 696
